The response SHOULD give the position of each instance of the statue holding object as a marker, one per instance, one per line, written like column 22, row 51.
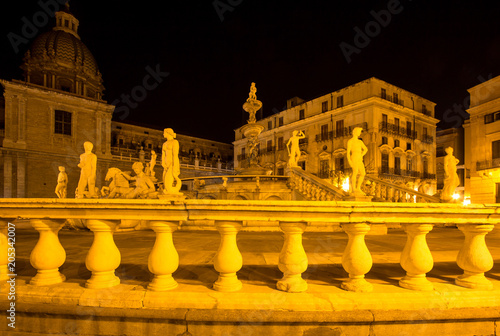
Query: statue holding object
column 170, row 162
column 451, row 180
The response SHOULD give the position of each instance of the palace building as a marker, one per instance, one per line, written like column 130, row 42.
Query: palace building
column 399, row 130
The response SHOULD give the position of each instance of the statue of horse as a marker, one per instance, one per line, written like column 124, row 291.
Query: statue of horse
column 119, row 185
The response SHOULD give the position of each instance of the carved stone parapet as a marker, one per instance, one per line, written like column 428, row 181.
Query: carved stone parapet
column 293, row 259
column 48, row 254
column 416, row 258
column 357, row 260
column 103, row 257
column 163, row 259
column 228, row 259
column 474, row 257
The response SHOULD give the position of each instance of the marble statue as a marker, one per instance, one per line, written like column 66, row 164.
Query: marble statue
column 252, row 105
column 144, row 187
column 119, row 185
column 356, row 149
column 62, row 183
column 451, row 180
column 142, row 154
column 293, row 148
column 152, row 163
column 170, row 162
column 88, row 165
column 253, row 90
column 253, row 151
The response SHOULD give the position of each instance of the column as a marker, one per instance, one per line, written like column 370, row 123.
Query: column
column 163, row 259
column 48, row 254
column 103, row 257
column 416, row 258
column 7, row 175
column 228, row 259
column 21, row 176
column 293, row 259
column 357, row 260
column 474, row 257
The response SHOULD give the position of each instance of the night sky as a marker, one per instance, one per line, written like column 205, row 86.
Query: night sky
column 436, row 49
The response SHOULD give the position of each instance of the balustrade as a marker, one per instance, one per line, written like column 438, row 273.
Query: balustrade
column 104, row 257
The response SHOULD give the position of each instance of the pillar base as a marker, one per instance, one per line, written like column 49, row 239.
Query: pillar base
column 162, row 283
column 47, row 277
column 102, row 280
column 416, row 282
column 357, row 285
column 292, row 284
column 227, row 282
column 474, row 281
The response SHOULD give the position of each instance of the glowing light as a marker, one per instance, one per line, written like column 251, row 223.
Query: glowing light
column 455, row 196
column 466, row 201
column 345, row 184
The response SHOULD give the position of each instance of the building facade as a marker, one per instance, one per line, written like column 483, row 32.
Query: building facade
column 399, row 130
column 482, row 138
column 46, row 118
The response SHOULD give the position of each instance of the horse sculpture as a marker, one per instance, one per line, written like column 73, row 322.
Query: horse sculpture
column 119, row 186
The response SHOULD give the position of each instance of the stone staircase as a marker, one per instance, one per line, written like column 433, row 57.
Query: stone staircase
column 313, row 188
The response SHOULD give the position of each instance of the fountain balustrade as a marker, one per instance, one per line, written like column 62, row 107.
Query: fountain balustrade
column 103, row 217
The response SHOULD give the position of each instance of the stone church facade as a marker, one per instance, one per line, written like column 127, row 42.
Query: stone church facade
column 59, row 105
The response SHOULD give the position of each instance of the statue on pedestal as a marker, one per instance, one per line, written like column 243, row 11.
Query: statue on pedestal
column 62, row 183
column 144, row 187
column 88, row 165
column 293, row 148
column 152, row 163
column 170, row 162
column 356, row 149
column 451, row 180
column 252, row 105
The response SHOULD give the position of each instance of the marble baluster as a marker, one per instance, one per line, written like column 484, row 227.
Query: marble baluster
column 48, row 254
column 474, row 257
column 357, row 260
column 4, row 250
column 292, row 259
column 228, row 259
column 163, row 259
column 103, row 257
column 416, row 258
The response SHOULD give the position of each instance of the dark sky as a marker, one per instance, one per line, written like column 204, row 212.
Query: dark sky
column 436, row 49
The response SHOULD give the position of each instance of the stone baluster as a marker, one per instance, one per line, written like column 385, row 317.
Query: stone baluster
column 48, row 254
column 293, row 259
column 163, row 259
column 474, row 257
column 416, row 258
column 228, row 259
column 4, row 250
column 103, row 257
column 357, row 260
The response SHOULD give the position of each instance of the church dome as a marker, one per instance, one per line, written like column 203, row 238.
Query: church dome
column 59, row 60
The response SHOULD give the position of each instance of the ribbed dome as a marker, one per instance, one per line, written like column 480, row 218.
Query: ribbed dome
column 59, row 60
column 59, row 45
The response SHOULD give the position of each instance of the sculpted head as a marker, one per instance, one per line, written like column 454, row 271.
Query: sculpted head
column 138, row 167
column 357, row 131
column 169, row 133
column 449, row 150
column 88, row 146
column 61, row 168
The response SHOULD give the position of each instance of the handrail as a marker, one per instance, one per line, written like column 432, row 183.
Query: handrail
column 412, row 192
column 314, row 188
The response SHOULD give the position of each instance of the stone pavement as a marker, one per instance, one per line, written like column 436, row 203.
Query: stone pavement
column 258, row 301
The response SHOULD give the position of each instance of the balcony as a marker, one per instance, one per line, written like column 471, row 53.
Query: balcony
column 489, row 164
column 428, row 139
column 392, row 172
column 392, row 129
column 222, row 267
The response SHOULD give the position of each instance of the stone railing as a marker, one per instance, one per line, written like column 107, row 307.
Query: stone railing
column 313, row 188
column 103, row 217
column 389, row 192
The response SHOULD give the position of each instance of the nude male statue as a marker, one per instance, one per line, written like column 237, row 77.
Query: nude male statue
column 88, row 165
column 356, row 149
column 293, row 147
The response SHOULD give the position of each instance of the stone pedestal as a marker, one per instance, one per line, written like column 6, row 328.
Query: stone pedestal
column 358, row 198
column 357, row 260
column 48, row 254
column 164, row 259
column 474, row 257
column 228, row 259
column 416, row 258
column 4, row 250
column 293, row 259
column 103, row 257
